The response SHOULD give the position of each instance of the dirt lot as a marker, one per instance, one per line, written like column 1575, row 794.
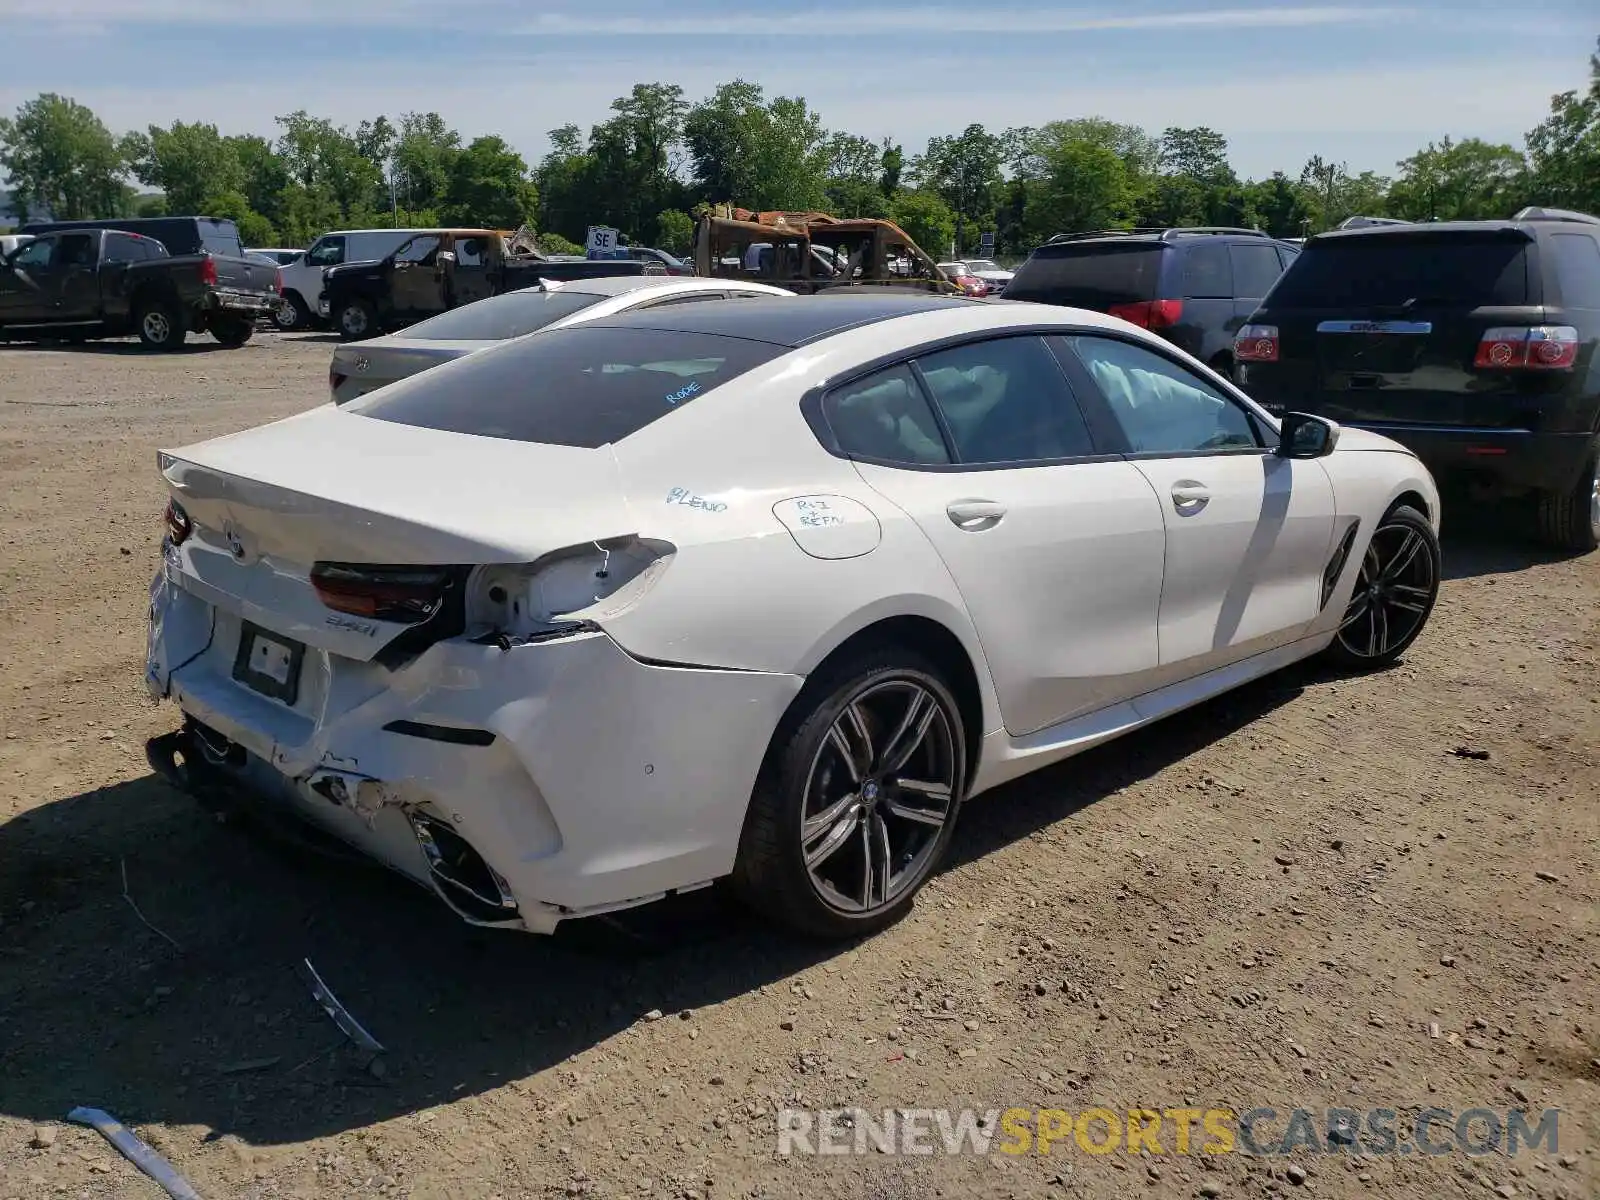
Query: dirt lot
column 1266, row 902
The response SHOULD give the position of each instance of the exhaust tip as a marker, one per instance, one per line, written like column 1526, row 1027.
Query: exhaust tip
column 468, row 884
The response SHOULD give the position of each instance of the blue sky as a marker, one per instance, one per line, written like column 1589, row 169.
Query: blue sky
column 1366, row 83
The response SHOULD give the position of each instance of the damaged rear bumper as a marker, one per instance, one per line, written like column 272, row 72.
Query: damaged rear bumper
column 524, row 786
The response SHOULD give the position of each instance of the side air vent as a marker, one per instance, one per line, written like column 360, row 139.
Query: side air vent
column 1335, row 567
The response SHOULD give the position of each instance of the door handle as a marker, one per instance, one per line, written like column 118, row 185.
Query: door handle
column 975, row 515
column 1189, row 497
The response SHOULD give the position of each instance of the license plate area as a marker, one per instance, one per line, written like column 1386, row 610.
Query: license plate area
column 268, row 663
column 1372, row 347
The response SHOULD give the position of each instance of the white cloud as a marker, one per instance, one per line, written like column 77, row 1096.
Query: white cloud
column 975, row 20
column 510, row 17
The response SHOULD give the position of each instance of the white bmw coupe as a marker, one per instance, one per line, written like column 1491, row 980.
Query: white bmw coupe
column 759, row 591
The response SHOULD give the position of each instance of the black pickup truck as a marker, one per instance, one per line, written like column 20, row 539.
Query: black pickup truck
column 158, row 278
column 441, row 269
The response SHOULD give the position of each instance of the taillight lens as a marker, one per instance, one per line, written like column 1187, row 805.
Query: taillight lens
column 1256, row 343
column 405, row 595
column 208, row 271
column 1150, row 314
column 335, row 378
column 1527, row 348
column 179, row 527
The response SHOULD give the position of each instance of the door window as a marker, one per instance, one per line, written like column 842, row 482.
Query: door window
column 419, row 250
column 76, row 250
column 1206, row 272
column 1255, row 270
column 35, row 255
column 885, row 417
column 469, row 252
column 1162, row 408
column 1577, row 258
column 1006, row 401
column 329, row 252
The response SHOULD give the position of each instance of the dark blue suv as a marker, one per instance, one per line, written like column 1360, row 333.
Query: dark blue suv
column 1194, row 286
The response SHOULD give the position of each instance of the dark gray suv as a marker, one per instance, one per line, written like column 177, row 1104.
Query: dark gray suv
column 1194, row 286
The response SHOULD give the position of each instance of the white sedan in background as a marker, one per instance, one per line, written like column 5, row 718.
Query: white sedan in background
column 756, row 590
column 361, row 367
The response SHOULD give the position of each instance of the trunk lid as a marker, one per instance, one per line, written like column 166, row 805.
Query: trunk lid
column 1383, row 328
column 366, row 366
column 333, row 486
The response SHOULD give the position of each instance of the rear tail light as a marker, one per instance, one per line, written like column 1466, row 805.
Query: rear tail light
column 335, row 378
column 405, row 595
column 1256, row 343
column 208, row 271
column 564, row 590
column 179, row 527
column 1150, row 314
column 1527, row 348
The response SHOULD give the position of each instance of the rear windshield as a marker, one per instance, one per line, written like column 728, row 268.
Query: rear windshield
column 502, row 317
column 221, row 237
column 584, row 386
column 1089, row 274
column 1391, row 271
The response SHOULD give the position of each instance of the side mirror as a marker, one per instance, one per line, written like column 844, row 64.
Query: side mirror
column 1302, row 435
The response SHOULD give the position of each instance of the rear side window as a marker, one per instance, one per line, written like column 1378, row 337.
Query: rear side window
column 1089, row 275
column 1207, row 274
column 886, row 417
column 120, row 247
column 1577, row 258
column 221, row 237
column 569, row 387
column 1389, row 271
column 1255, row 270
column 500, row 318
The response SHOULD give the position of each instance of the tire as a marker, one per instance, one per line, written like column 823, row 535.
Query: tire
column 1570, row 520
column 831, row 758
column 356, row 320
column 159, row 323
column 291, row 313
column 1403, row 563
column 232, row 331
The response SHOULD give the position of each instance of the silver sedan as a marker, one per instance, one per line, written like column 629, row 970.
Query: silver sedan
column 362, row 367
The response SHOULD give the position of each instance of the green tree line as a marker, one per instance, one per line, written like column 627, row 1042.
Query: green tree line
column 657, row 157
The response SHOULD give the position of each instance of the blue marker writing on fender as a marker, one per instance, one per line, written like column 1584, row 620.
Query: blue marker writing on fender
column 683, row 393
column 688, row 499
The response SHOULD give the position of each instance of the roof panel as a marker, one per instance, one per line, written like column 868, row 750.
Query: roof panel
column 785, row 322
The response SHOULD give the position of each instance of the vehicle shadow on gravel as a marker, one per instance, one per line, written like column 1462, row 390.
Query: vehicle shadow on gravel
column 310, row 338
column 206, row 346
column 97, row 1008
column 1481, row 539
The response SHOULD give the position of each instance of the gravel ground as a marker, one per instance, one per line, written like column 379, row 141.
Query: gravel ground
column 1298, row 896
